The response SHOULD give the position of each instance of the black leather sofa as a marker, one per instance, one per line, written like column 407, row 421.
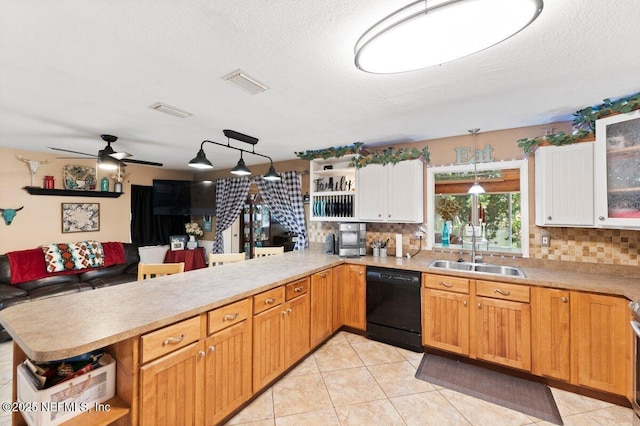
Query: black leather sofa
column 57, row 285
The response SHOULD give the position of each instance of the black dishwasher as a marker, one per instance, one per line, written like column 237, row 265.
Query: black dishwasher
column 394, row 308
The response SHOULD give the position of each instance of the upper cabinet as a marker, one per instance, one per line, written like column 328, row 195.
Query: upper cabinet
column 564, row 185
column 391, row 193
column 617, row 171
column 333, row 185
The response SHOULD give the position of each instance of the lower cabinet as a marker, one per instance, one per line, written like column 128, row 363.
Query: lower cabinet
column 350, row 284
column 551, row 332
column 169, row 388
column 281, row 332
column 602, row 352
column 445, row 317
column 321, row 307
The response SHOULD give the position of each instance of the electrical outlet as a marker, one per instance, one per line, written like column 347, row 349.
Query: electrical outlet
column 545, row 239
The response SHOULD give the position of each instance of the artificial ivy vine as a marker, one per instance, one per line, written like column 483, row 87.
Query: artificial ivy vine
column 362, row 157
column 584, row 123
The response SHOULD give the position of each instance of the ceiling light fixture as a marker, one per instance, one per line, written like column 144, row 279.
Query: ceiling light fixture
column 476, row 188
column 200, row 161
column 432, row 32
column 240, row 79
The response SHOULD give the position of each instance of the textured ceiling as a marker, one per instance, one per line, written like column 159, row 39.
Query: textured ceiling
column 71, row 70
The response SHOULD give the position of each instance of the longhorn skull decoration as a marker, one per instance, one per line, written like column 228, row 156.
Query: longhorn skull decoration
column 9, row 214
column 33, row 165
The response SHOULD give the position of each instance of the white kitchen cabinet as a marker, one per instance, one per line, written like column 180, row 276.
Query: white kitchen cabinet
column 391, row 193
column 617, row 171
column 564, row 185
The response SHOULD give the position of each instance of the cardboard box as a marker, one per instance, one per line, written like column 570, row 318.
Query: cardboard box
column 59, row 403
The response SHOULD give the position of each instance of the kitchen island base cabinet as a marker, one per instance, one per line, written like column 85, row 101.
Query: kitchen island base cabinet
column 169, row 388
column 280, row 333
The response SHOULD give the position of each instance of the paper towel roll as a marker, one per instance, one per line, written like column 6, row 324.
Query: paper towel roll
column 398, row 245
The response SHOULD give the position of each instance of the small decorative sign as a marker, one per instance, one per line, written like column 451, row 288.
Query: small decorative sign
column 465, row 155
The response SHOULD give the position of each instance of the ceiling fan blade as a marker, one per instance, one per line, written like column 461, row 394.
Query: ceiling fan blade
column 73, row 152
column 142, row 162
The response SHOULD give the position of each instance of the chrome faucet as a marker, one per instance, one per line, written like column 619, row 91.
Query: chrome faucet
column 474, row 255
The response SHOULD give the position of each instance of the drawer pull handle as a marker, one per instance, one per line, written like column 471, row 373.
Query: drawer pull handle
column 201, row 354
column 270, row 301
column 212, row 348
column 502, row 292
column 298, row 289
column 230, row 317
column 174, row 340
column 446, row 284
column 565, row 300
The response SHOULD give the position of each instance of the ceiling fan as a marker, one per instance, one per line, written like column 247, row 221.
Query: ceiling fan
column 108, row 158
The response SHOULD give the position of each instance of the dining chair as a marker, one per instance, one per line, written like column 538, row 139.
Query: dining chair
column 154, row 270
column 267, row 251
column 216, row 259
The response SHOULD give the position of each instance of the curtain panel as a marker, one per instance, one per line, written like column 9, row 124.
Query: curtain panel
column 231, row 194
column 284, row 199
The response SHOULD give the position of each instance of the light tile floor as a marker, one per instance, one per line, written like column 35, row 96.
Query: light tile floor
column 354, row 381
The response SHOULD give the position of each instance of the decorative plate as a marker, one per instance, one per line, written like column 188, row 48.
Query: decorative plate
column 80, row 178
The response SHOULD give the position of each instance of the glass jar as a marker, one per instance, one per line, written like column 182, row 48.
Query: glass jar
column 49, row 182
column 104, row 184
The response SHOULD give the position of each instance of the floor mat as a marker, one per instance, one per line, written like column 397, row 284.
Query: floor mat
column 518, row 394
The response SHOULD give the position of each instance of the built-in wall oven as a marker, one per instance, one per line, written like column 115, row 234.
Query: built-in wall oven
column 635, row 324
column 393, row 307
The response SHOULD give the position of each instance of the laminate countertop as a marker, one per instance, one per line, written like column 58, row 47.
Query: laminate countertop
column 69, row 325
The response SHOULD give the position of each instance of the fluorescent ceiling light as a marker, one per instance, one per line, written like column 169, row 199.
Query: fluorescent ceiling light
column 240, row 79
column 427, row 33
column 176, row 112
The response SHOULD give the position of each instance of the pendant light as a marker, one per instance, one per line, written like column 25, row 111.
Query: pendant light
column 432, row 32
column 201, row 162
column 476, row 188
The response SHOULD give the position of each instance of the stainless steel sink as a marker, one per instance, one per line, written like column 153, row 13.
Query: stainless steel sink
column 478, row 267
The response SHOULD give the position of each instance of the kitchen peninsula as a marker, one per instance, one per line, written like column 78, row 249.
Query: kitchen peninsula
column 120, row 318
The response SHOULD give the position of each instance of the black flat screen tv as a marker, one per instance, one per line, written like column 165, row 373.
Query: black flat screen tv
column 184, row 197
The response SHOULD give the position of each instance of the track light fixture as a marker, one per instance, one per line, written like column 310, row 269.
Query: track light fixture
column 200, row 161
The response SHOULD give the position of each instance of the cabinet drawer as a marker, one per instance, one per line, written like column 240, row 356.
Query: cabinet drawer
column 496, row 290
column 268, row 299
column 441, row 282
column 296, row 288
column 168, row 339
column 228, row 315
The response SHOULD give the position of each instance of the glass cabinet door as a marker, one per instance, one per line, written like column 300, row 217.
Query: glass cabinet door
column 617, row 171
column 255, row 225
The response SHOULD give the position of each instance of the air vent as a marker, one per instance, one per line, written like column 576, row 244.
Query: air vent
column 159, row 106
column 243, row 81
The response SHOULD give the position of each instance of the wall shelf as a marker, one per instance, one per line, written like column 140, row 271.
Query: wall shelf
column 34, row 190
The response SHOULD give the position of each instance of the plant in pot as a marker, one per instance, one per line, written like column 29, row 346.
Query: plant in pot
column 448, row 208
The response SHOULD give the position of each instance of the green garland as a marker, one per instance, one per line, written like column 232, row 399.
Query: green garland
column 584, row 123
column 363, row 158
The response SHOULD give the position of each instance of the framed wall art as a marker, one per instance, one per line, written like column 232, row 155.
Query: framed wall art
column 80, row 217
column 178, row 242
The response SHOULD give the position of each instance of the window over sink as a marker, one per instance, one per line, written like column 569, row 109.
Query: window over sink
column 501, row 214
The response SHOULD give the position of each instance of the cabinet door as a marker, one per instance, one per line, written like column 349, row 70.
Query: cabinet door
column 551, row 333
column 296, row 329
column 227, row 371
column 503, row 332
column 371, row 188
column 564, row 185
column 353, row 293
column 169, row 388
column 405, row 192
column 617, row 161
column 601, row 326
column 268, row 346
column 445, row 320
column 321, row 307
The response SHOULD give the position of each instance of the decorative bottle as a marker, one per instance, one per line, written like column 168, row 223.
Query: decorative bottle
column 445, row 234
column 104, row 184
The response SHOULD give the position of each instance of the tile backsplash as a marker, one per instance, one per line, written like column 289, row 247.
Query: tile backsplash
column 605, row 246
